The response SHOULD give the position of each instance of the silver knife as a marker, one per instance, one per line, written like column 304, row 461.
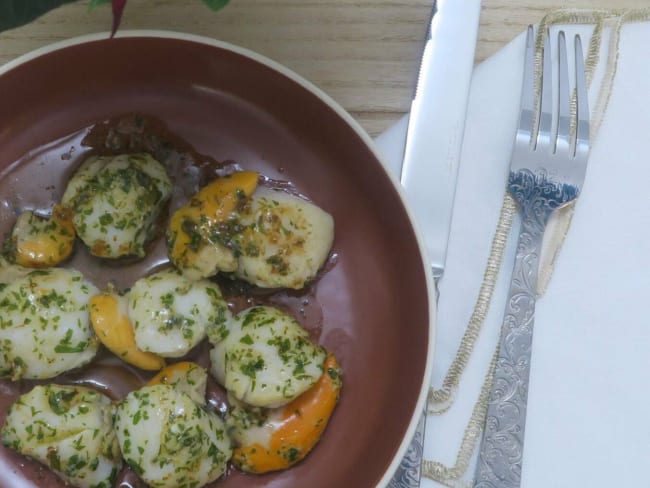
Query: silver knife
column 432, row 152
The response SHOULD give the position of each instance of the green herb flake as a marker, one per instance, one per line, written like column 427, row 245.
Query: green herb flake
column 65, row 346
column 59, row 401
column 247, row 339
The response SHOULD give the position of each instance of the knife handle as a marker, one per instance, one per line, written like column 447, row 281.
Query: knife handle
column 501, row 449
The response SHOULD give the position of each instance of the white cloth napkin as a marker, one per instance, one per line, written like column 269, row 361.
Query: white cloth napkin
column 588, row 423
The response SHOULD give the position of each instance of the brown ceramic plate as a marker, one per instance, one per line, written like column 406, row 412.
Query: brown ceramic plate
column 232, row 104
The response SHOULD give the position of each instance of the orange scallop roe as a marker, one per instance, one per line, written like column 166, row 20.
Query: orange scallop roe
column 185, row 377
column 302, row 422
column 113, row 328
column 171, row 373
column 49, row 245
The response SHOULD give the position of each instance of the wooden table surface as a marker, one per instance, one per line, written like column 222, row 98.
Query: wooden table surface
column 364, row 53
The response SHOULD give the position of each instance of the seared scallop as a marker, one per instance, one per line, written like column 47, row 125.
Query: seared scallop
column 285, row 240
column 269, row 238
column 171, row 314
column 44, row 324
column 266, row 359
column 116, row 202
column 274, row 439
column 69, row 429
column 169, row 440
column 39, row 242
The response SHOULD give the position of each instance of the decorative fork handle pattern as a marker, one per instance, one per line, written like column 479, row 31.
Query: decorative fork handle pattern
column 501, row 451
column 408, row 473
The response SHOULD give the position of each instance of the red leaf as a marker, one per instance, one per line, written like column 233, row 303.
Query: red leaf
column 118, row 8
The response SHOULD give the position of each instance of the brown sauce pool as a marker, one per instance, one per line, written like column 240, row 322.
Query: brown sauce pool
column 25, row 185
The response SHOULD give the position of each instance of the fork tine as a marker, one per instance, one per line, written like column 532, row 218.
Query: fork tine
column 564, row 111
column 582, row 129
column 526, row 117
column 546, row 104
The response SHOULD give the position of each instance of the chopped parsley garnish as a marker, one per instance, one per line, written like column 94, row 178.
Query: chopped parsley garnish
column 59, row 401
column 65, row 346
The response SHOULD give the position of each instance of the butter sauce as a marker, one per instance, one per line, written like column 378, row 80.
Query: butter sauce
column 37, row 181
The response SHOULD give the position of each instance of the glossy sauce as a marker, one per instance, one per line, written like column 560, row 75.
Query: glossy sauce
column 37, row 182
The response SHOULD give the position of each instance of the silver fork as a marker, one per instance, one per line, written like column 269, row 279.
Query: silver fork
column 547, row 170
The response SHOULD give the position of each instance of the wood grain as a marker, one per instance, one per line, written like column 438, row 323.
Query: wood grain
column 364, row 53
column 502, row 20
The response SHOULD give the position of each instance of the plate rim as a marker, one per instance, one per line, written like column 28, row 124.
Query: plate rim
column 350, row 121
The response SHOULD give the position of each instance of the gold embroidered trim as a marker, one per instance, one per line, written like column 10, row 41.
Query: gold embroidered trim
column 451, row 476
column 440, row 400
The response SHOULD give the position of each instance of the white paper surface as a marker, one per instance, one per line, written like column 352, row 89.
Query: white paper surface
column 588, row 422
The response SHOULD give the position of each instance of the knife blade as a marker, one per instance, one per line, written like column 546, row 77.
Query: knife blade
column 432, row 153
column 437, row 120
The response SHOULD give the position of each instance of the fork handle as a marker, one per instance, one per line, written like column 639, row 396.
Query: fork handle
column 501, row 449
